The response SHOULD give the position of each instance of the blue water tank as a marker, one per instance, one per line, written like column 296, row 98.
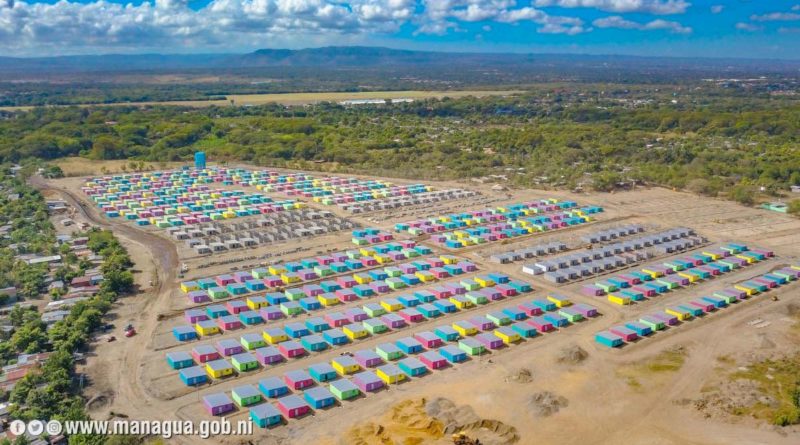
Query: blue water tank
column 200, row 159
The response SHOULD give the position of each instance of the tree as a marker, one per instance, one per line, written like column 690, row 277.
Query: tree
column 605, row 181
column 53, row 171
column 30, row 338
column 117, row 281
column 104, row 147
column 743, row 193
column 794, row 207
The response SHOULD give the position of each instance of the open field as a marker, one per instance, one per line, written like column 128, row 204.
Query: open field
column 77, row 166
column 647, row 389
column 306, row 98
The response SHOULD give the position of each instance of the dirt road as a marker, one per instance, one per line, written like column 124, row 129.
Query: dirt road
column 114, row 367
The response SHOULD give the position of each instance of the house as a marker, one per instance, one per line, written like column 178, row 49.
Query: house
column 293, row 406
column 219, row 368
column 390, row 373
column 218, row 404
column 79, row 282
column 298, row 379
column 345, row 365
column 43, row 259
column 265, row 415
column 367, row 358
column 412, row 366
column 319, row 397
column 609, row 339
column 344, row 389
column 452, row 353
column 193, row 375
column 322, row 372
column 433, row 360
column 273, row 387
column 244, row 361
column 246, row 395
column 205, row 353
column 471, row 346
column 184, row 333
column 291, row 349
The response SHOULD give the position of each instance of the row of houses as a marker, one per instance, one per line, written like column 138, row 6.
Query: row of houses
column 528, row 252
column 612, row 233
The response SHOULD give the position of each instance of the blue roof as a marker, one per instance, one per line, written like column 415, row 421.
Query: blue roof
column 321, row 368
column 292, row 401
column 204, row 349
column 264, row 411
column 298, row 374
column 246, row 391
column 244, row 357
column 272, row 383
column 252, row 337
column 318, row 393
column 344, row 385
column 217, row 399
column 194, row 371
column 179, row 356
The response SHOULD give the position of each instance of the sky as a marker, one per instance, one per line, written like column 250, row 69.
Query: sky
column 693, row 28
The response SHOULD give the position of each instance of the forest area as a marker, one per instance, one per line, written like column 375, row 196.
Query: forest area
column 729, row 140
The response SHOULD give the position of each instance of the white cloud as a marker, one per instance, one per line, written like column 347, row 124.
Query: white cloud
column 502, row 11
column 749, row 27
column 438, row 28
column 796, row 8
column 716, row 9
column 658, row 24
column 621, row 6
column 29, row 26
column 775, row 17
column 162, row 24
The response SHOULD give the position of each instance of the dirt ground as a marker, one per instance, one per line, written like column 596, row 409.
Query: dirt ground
column 528, row 389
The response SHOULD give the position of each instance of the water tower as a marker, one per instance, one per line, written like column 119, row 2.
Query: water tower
column 200, row 159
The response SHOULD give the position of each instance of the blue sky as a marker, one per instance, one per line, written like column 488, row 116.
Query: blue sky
column 715, row 28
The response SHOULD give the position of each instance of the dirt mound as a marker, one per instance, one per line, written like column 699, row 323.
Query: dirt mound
column 419, row 421
column 491, row 432
column 522, row 375
column 792, row 309
column 462, row 419
column 100, row 401
column 546, row 403
column 452, row 416
column 405, row 423
column 572, row 355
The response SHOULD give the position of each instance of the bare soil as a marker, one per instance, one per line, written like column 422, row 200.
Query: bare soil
column 582, row 397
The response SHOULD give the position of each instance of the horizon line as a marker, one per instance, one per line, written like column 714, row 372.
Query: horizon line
column 476, row 53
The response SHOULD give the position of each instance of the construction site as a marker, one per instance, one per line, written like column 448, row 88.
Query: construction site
column 361, row 310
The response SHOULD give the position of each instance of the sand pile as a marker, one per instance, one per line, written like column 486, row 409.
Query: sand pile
column 419, row 421
column 572, row 355
column 546, row 403
column 462, row 419
column 405, row 423
column 522, row 375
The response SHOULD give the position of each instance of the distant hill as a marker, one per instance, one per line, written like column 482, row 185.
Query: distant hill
column 364, row 56
column 374, row 57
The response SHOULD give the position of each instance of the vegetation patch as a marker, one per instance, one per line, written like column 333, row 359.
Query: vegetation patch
column 654, row 368
column 778, row 381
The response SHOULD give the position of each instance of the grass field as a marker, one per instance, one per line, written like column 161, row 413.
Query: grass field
column 76, row 166
column 308, row 98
